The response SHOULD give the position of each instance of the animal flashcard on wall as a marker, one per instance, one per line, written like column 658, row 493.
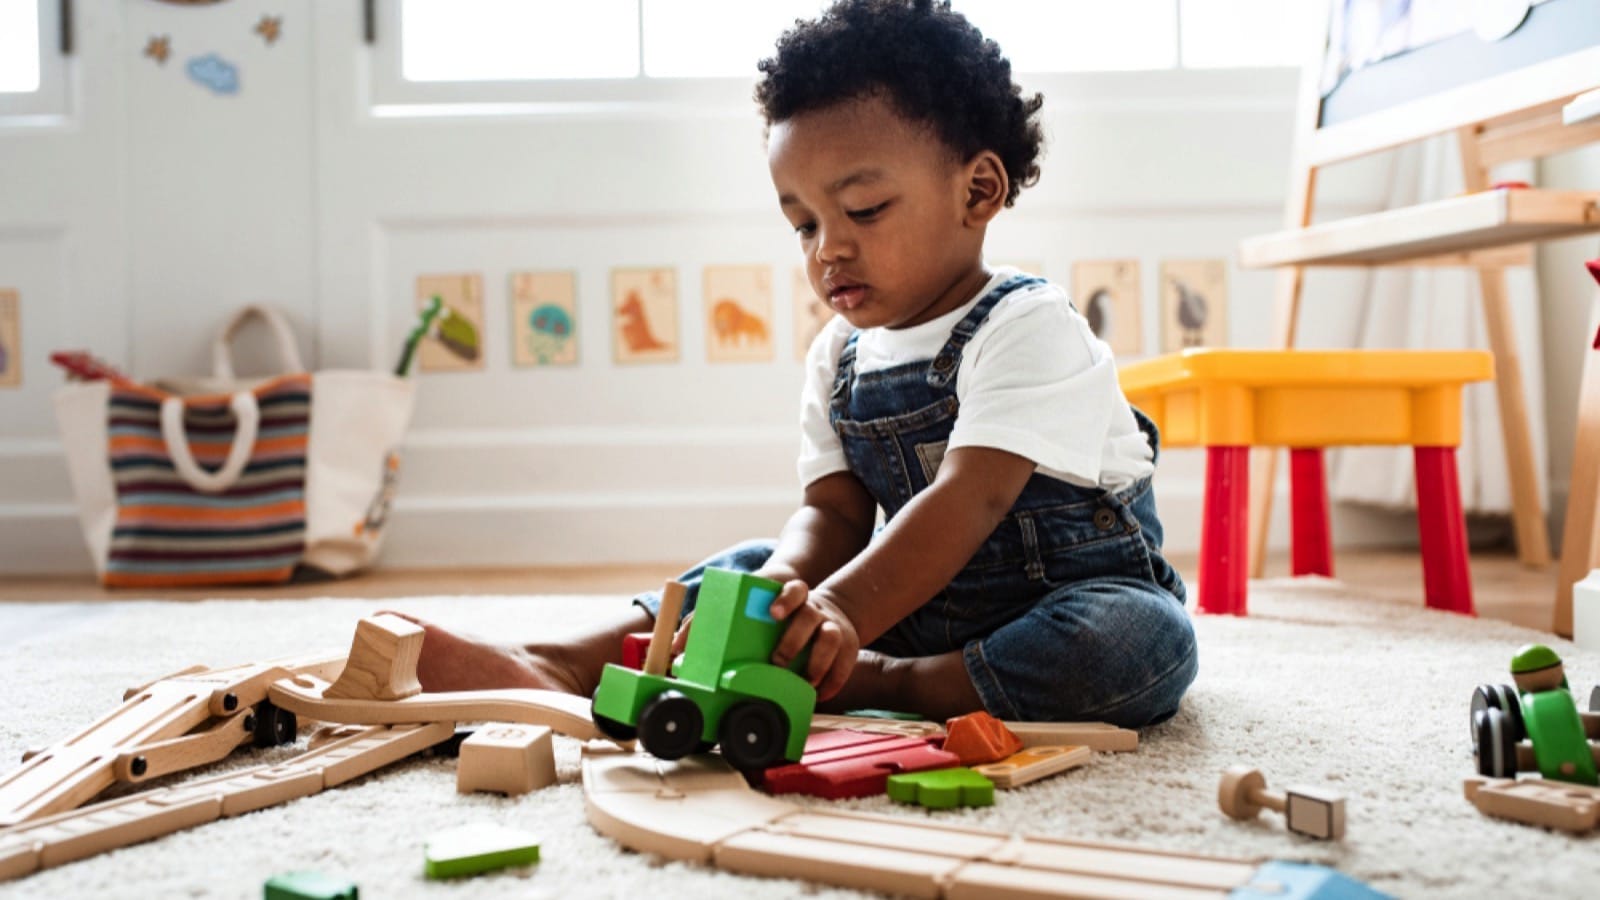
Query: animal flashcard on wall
column 738, row 313
column 463, row 297
column 10, row 339
column 1106, row 292
column 811, row 313
column 1194, row 304
column 544, row 318
column 644, row 314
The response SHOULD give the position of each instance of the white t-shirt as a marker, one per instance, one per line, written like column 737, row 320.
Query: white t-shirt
column 1034, row 381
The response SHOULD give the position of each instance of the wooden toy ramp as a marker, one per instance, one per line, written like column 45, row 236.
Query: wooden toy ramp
column 700, row 810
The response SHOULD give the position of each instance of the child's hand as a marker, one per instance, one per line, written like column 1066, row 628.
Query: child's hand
column 814, row 619
column 680, row 638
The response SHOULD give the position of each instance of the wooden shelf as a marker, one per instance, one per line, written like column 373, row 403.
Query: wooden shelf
column 1583, row 108
column 1458, row 225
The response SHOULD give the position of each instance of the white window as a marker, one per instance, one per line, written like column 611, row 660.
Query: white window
column 32, row 67
column 550, row 55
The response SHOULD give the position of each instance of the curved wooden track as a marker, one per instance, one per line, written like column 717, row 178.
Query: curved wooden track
column 566, row 714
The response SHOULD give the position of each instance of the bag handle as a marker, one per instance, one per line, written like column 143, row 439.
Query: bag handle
column 248, row 415
column 222, row 344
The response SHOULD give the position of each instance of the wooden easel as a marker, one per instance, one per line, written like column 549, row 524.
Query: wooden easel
column 1512, row 115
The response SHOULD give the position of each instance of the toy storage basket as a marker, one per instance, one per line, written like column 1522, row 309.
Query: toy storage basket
column 218, row 481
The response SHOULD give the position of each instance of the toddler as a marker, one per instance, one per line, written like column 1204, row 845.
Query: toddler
column 1018, row 569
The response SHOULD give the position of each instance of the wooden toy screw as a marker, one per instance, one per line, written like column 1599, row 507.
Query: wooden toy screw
column 1243, row 794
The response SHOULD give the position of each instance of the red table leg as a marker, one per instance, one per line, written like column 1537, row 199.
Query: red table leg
column 1446, row 578
column 1310, row 546
column 1225, row 532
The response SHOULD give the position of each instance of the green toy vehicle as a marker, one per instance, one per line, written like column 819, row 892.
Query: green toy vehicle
column 723, row 689
column 1541, row 710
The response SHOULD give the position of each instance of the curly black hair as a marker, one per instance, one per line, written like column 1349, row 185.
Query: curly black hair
column 931, row 64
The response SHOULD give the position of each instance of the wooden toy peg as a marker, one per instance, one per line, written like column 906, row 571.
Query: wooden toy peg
column 506, row 759
column 1308, row 811
column 382, row 663
column 660, row 655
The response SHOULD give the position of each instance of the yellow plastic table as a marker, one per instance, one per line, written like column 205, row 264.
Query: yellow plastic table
column 1231, row 400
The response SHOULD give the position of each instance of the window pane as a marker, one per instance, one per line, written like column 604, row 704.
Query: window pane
column 496, row 40
column 1234, row 33
column 716, row 37
column 1079, row 35
column 19, row 46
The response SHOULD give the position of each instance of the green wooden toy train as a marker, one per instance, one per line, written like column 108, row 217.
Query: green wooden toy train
column 723, row 689
column 1541, row 711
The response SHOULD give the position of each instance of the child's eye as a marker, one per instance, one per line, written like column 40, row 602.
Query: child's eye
column 859, row 214
column 805, row 229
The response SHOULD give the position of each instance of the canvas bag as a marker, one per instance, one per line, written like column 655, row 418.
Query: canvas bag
column 241, row 482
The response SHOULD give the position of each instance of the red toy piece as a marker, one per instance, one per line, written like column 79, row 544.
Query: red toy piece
column 1510, row 186
column 81, row 365
column 978, row 738
column 839, row 764
column 635, row 647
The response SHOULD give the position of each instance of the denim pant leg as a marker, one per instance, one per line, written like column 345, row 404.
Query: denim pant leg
column 746, row 557
column 1116, row 650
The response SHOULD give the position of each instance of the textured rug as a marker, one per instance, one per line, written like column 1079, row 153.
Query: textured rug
column 1318, row 686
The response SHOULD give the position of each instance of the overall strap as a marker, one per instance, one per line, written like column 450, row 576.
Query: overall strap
column 844, row 374
column 948, row 362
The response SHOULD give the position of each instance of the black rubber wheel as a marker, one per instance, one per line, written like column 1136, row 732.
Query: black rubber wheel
column 670, row 725
column 611, row 728
column 1497, row 749
column 274, row 726
column 753, row 734
column 1502, row 697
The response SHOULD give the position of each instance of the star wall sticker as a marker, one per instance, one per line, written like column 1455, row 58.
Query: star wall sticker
column 269, row 27
column 159, row 48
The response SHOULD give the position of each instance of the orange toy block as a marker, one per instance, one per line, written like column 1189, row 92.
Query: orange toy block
column 979, row 738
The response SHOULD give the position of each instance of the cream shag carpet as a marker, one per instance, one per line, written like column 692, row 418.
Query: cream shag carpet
column 1318, row 686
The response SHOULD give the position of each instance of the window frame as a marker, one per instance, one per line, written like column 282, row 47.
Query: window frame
column 50, row 104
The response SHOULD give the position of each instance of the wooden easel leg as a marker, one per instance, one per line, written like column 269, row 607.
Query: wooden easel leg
column 1533, row 540
column 1580, row 544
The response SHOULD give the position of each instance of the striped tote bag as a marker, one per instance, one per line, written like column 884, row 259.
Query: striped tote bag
column 234, row 487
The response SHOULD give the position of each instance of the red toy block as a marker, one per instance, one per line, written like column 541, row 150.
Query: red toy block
column 839, row 764
column 978, row 738
column 635, row 647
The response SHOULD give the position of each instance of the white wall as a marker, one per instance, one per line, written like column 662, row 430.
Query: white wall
column 158, row 207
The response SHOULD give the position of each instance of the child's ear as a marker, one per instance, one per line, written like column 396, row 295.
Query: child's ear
column 987, row 186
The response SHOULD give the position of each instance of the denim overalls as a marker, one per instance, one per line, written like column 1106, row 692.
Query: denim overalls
column 1068, row 612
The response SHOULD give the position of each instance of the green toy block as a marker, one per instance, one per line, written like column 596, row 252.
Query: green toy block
column 473, row 849
column 308, row 886
column 942, row 788
column 884, row 714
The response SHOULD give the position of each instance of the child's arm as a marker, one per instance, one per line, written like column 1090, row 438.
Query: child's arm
column 832, row 525
column 917, row 555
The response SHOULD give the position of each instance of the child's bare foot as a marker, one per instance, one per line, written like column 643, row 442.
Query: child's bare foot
column 452, row 662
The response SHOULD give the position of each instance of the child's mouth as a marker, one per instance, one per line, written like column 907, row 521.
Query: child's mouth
column 847, row 296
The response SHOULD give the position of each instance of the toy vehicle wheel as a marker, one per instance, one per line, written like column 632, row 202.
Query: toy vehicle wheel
column 1504, row 698
column 611, row 728
column 1497, row 749
column 274, row 726
column 753, row 734
column 1594, row 699
column 670, row 725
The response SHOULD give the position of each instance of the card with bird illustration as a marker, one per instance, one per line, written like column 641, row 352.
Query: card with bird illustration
column 644, row 315
column 452, row 345
column 1106, row 292
column 10, row 339
column 738, row 313
column 544, row 318
column 1194, row 304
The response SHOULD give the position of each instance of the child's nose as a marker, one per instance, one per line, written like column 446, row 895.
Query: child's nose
column 832, row 244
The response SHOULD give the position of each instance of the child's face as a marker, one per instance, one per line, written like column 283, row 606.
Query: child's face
column 883, row 210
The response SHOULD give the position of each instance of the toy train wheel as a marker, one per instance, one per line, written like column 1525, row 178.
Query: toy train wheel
column 611, row 728
column 670, row 726
column 1502, row 697
column 273, row 726
column 753, row 734
column 1497, row 749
